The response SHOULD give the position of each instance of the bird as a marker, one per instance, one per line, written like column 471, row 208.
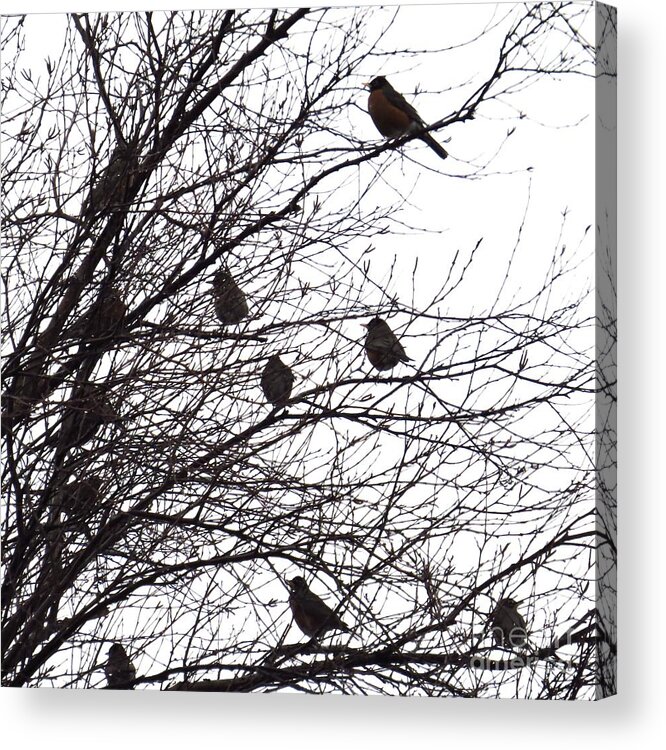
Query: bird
column 382, row 346
column 508, row 625
column 112, row 184
column 312, row 615
column 28, row 387
column 277, row 380
column 394, row 116
column 79, row 498
column 87, row 411
column 106, row 317
column 230, row 302
column 102, row 319
column 119, row 670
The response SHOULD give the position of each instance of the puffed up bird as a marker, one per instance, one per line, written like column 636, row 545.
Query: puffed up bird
column 508, row 625
column 119, row 670
column 80, row 498
column 277, row 380
column 312, row 615
column 230, row 302
column 394, row 116
column 85, row 413
column 29, row 386
column 102, row 320
column 382, row 346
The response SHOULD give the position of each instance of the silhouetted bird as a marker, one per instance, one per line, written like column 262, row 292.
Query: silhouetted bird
column 508, row 625
column 382, row 346
column 394, row 116
column 312, row 615
column 230, row 302
column 112, row 185
column 80, row 498
column 277, row 380
column 85, row 413
column 28, row 387
column 102, row 319
column 119, row 669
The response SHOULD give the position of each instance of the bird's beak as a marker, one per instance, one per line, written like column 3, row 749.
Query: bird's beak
column 366, row 84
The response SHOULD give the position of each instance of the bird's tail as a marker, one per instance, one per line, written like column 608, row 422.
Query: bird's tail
column 439, row 150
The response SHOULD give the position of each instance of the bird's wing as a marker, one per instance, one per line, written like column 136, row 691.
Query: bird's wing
column 398, row 100
column 319, row 610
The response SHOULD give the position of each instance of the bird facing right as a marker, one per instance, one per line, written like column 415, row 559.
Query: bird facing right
column 312, row 615
column 382, row 346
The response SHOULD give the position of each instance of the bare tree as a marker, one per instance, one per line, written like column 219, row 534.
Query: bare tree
column 185, row 199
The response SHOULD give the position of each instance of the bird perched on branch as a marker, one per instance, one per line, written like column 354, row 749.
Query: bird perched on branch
column 79, row 498
column 28, row 387
column 119, row 670
column 102, row 319
column 230, row 302
column 394, row 116
column 112, row 184
column 87, row 411
column 382, row 346
column 312, row 615
column 508, row 625
column 277, row 380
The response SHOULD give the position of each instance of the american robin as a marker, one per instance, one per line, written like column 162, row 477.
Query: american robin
column 394, row 116
column 312, row 615
column 277, row 380
column 230, row 302
column 119, row 670
column 29, row 386
column 102, row 319
column 508, row 625
column 85, row 413
column 113, row 183
column 382, row 346
column 79, row 498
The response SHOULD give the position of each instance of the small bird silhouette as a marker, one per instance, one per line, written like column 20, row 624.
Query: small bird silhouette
column 87, row 411
column 119, row 670
column 382, row 346
column 277, row 380
column 508, row 625
column 79, row 498
column 102, row 319
column 230, row 302
column 312, row 615
column 28, row 387
column 111, row 186
column 394, row 116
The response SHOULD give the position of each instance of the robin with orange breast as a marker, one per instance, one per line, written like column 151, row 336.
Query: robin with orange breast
column 312, row 615
column 394, row 116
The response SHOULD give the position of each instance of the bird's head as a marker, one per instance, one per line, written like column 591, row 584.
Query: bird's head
column 297, row 584
column 374, row 323
column 508, row 603
column 377, row 83
column 117, row 651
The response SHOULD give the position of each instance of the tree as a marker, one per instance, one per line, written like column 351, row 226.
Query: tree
column 161, row 152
